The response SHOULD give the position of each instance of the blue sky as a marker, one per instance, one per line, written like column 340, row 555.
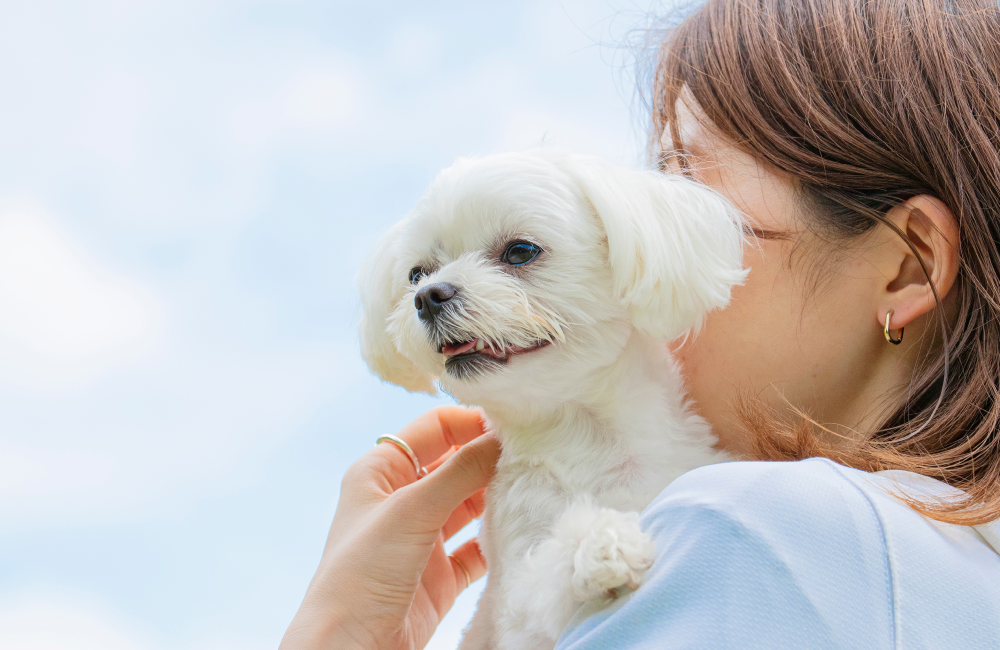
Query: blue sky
column 186, row 189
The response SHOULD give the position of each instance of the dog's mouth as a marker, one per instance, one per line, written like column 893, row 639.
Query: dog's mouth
column 473, row 359
column 476, row 358
column 479, row 348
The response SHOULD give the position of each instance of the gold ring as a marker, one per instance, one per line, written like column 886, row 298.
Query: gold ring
column 888, row 336
column 399, row 442
column 468, row 578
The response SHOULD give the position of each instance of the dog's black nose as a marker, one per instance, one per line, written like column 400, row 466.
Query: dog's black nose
column 432, row 298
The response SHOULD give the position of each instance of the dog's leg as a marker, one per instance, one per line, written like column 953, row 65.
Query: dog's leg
column 538, row 592
column 612, row 550
column 481, row 632
column 513, row 634
column 591, row 552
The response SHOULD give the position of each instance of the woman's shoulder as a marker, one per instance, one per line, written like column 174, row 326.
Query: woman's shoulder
column 819, row 516
column 799, row 542
column 753, row 493
column 755, row 555
column 817, row 503
column 806, row 554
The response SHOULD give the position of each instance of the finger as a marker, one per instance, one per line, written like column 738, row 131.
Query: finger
column 440, row 461
column 441, row 428
column 391, row 473
column 430, row 501
column 429, row 437
column 463, row 514
column 468, row 564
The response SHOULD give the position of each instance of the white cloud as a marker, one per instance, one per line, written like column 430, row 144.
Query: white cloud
column 159, row 431
column 52, row 619
column 111, row 395
column 414, row 48
column 322, row 98
column 64, row 316
column 296, row 100
column 57, row 621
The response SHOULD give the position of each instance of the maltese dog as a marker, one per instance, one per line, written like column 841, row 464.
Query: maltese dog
column 542, row 287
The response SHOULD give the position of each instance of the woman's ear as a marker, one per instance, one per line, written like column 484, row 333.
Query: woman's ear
column 380, row 292
column 675, row 246
column 929, row 226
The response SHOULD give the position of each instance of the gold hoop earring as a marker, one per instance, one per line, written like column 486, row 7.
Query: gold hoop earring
column 888, row 336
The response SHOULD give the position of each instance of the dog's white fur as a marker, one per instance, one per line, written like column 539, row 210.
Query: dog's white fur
column 594, row 425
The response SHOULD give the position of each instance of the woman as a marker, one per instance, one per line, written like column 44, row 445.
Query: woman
column 861, row 139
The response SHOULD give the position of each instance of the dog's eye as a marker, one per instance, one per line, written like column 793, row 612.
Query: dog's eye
column 415, row 274
column 519, row 252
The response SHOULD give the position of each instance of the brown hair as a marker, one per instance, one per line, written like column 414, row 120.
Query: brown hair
column 868, row 103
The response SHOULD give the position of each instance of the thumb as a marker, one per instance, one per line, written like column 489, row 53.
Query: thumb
column 466, row 472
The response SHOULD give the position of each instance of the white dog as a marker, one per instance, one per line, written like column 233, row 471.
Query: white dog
column 541, row 286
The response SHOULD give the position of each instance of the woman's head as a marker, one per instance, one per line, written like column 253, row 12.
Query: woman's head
column 862, row 138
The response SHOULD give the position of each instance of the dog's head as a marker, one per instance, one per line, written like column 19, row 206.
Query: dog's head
column 521, row 274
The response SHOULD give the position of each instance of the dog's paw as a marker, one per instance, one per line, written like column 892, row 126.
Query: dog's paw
column 613, row 553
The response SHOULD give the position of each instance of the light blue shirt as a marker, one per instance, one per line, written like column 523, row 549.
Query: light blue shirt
column 802, row 555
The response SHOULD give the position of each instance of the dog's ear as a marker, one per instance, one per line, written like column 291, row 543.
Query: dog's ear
column 380, row 292
column 675, row 246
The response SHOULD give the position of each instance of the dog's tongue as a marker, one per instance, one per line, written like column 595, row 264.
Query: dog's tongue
column 453, row 350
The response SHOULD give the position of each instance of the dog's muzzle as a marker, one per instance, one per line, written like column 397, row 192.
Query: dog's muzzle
column 430, row 300
column 466, row 355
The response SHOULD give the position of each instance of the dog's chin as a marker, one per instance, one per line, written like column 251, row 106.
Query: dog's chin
column 468, row 361
column 472, row 366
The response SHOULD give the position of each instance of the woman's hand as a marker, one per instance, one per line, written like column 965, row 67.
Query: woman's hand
column 385, row 580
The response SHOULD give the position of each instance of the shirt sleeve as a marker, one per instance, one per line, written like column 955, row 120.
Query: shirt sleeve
column 754, row 555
